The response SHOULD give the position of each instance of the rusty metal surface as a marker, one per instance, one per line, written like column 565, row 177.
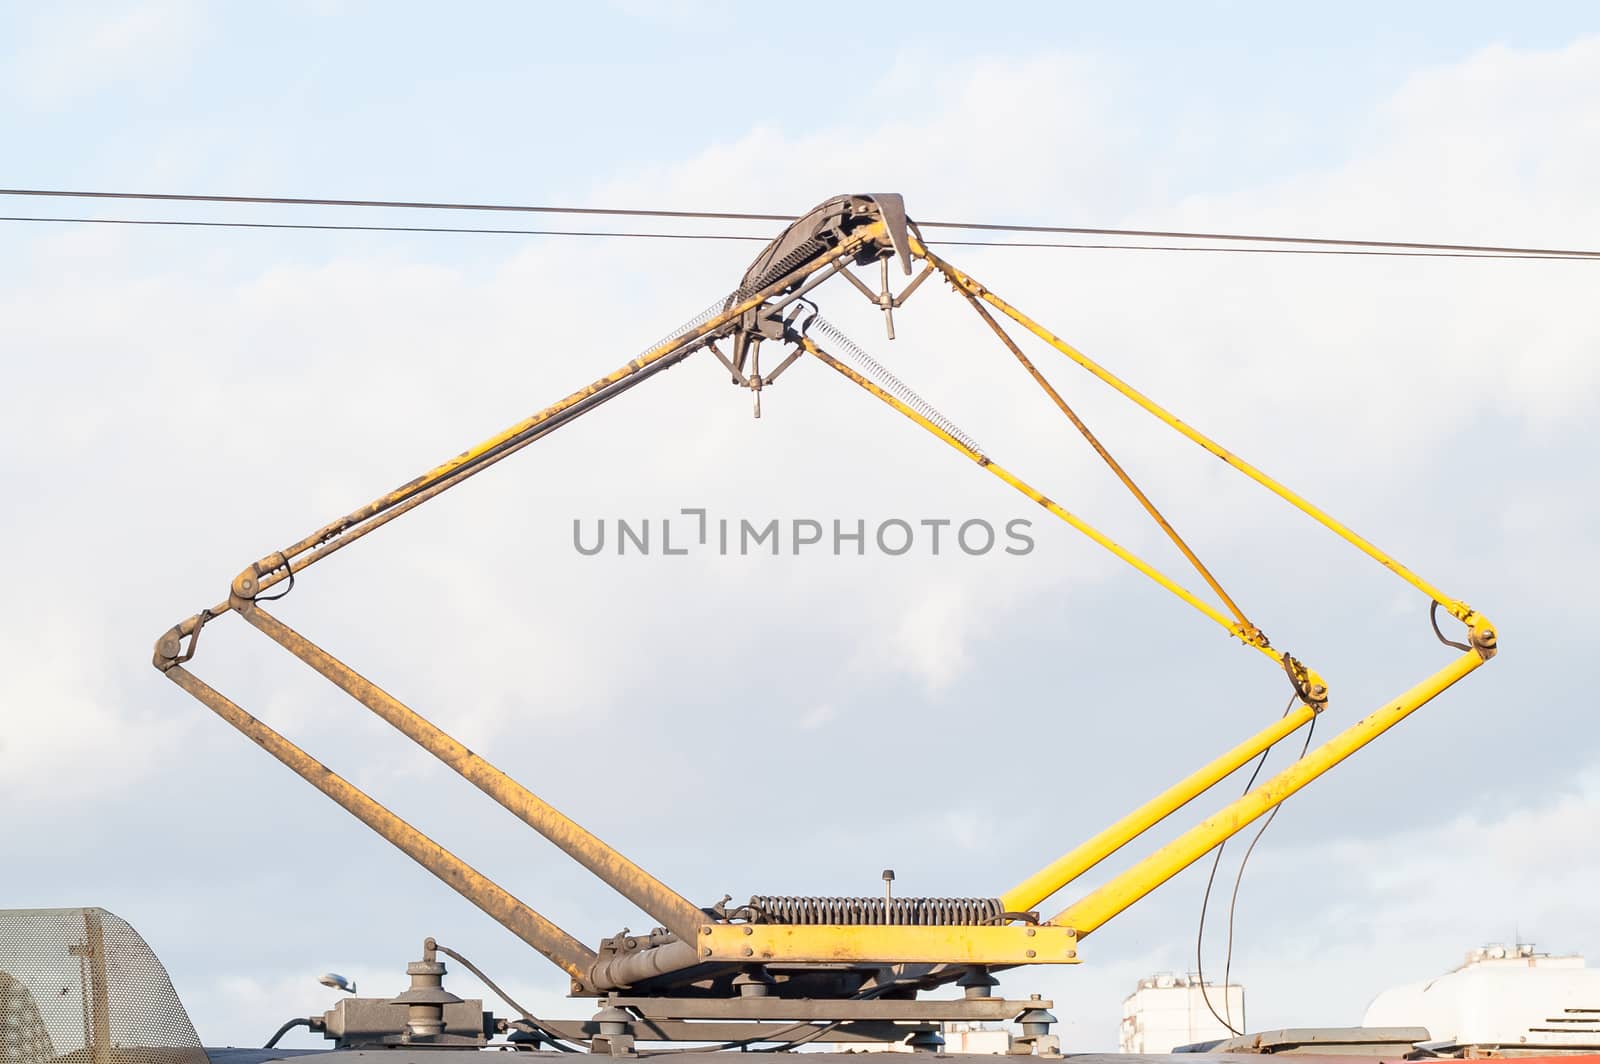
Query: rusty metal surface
column 566, row 952
column 971, row 1010
column 612, row 868
column 858, row 1031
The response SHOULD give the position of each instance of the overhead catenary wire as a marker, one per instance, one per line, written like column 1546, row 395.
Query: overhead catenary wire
column 638, row 212
column 751, row 238
column 307, row 201
column 387, row 228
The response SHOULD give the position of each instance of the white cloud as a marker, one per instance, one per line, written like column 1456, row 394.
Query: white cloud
column 77, row 50
column 819, row 716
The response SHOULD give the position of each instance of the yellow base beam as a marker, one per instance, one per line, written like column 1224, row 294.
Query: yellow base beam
column 889, row 944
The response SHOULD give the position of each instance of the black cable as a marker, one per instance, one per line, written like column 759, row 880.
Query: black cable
column 1555, row 256
column 272, row 1042
column 494, row 988
column 297, row 201
column 386, row 228
column 1233, row 901
column 1163, row 234
column 288, row 568
column 1216, row 861
column 1256, row 238
column 748, row 238
column 1433, row 618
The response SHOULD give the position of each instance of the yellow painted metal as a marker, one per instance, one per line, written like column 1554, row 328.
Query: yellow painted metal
column 1460, row 610
column 675, row 911
column 825, row 943
column 1039, row 497
column 1095, row 908
column 1051, row 878
column 568, row 953
column 1245, row 630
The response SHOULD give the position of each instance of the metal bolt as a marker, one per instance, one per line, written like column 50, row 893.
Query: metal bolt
column 705, row 929
column 1030, row 932
column 1029, row 953
column 706, row 952
column 749, row 930
column 748, row 952
column 1072, row 953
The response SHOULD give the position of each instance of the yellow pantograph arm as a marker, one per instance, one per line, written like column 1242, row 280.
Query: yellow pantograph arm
column 1069, row 866
column 1123, row 890
column 1311, row 681
column 1458, row 609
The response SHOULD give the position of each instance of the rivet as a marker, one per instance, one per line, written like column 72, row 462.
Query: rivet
column 1029, row 953
column 749, row 930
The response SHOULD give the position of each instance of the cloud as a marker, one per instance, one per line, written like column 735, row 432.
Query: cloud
column 164, row 425
column 77, row 51
column 817, row 717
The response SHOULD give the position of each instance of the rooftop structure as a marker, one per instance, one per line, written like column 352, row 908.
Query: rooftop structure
column 1168, row 1010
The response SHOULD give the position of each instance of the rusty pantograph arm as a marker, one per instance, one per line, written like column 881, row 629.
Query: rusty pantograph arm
column 637, row 885
column 565, row 951
column 784, row 274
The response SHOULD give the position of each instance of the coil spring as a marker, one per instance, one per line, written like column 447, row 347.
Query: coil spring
column 888, row 381
column 925, row 912
column 795, row 259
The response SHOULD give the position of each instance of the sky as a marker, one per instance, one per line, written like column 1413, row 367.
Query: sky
column 180, row 402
